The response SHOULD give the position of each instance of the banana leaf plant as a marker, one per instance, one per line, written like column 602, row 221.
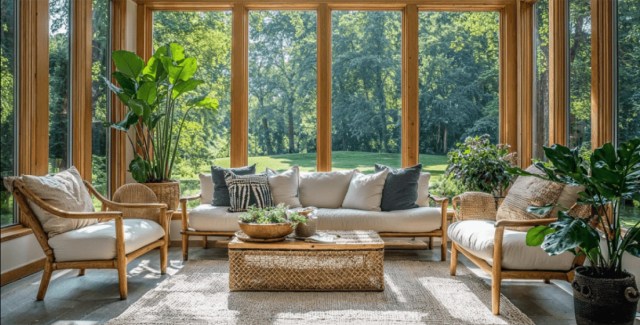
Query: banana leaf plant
column 159, row 96
column 609, row 176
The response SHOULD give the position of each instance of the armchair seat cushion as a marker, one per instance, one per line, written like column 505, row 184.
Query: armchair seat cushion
column 98, row 241
column 477, row 237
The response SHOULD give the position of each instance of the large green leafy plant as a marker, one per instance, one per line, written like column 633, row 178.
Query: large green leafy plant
column 159, row 96
column 608, row 177
column 479, row 165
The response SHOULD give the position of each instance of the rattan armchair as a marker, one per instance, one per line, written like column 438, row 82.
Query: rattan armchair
column 111, row 211
column 476, row 212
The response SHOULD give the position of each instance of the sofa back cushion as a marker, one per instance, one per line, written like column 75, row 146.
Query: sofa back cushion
column 206, row 188
column 365, row 191
column 284, row 187
column 401, row 187
column 220, row 189
column 324, row 189
column 65, row 191
column 423, row 190
column 528, row 191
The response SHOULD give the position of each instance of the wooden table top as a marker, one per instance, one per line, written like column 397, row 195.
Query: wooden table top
column 347, row 240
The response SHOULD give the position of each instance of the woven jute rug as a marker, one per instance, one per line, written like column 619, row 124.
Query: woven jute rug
column 415, row 293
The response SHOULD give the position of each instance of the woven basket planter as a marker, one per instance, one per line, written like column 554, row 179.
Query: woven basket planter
column 167, row 192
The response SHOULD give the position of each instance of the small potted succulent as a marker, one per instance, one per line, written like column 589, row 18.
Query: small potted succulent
column 307, row 228
column 269, row 222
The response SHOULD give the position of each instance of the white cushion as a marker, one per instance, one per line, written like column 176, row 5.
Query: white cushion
column 65, row 191
column 477, row 237
column 324, row 189
column 206, row 188
column 365, row 191
column 423, row 190
column 98, row 241
column 411, row 220
column 207, row 217
column 284, row 187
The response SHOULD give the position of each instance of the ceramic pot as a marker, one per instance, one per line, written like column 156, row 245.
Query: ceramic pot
column 266, row 231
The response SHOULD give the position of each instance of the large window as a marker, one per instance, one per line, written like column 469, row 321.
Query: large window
column 541, row 78
column 458, row 75
column 366, row 93
column 282, row 89
column 8, row 104
column 206, row 134
column 579, row 54
column 59, row 84
column 100, row 65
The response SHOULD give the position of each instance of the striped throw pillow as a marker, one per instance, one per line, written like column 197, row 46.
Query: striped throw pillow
column 248, row 190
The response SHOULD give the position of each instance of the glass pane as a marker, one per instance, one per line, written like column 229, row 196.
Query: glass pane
column 628, row 87
column 541, row 81
column 458, row 75
column 282, row 89
column 8, row 96
column 206, row 135
column 100, row 95
column 366, row 92
column 580, row 74
column 59, row 84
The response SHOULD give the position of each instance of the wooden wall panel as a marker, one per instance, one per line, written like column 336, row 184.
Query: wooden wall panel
column 509, row 76
column 239, row 86
column 526, row 80
column 323, row 102
column 558, row 72
column 117, row 146
column 410, row 92
column 602, row 109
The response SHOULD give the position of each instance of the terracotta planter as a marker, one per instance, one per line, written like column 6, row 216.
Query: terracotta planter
column 266, row 231
column 604, row 300
column 167, row 192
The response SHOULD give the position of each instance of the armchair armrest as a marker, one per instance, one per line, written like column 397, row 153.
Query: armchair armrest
column 190, row 198
column 525, row 223
column 475, row 205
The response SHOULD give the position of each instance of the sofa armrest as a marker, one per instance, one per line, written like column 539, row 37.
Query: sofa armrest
column 475, row 205
column 183, row 208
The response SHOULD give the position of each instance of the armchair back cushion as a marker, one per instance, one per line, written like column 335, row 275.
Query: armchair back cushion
column 324, row 189
column 65, row 191
column 528, row 191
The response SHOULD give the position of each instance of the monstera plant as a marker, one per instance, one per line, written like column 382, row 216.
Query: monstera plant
column 159, row 96
column 603, row 291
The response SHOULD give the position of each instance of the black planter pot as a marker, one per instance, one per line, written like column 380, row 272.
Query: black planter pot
column 604, row 300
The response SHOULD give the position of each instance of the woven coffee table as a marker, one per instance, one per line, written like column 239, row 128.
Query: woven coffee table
column 353, row 263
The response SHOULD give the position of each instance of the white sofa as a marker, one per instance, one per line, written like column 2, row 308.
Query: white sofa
column 423, row 221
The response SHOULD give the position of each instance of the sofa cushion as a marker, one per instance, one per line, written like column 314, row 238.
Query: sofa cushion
column 206, row 188
column 220, row 189
column 412, row 220
column 207, row 217
column 65, row 191
column 477, row 237
column 98, row 241
column 324, row 189
column 284, row 187
column 528, row 191
column 423, row 190
column 401, row 187
column 365, row 191
column 248, row 190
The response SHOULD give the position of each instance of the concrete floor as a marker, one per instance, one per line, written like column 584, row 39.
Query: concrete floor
column 94, row 298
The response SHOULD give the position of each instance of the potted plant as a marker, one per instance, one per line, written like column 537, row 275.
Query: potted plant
column 269, row 222
column 479, row 165
column 603, row 292
column 159, row 96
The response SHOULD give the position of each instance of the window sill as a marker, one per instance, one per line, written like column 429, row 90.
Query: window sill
column 14, row 232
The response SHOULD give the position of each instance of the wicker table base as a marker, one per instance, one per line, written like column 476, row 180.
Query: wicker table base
column 353, row 263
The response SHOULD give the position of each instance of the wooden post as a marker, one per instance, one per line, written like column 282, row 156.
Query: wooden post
column 239, row 87
column 323, row 102
column 602, row 115
column 558, row 70
column 410, row 114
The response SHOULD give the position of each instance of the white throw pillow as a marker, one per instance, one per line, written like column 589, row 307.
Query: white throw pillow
column 423, row 190
column 365, row 191
column 64, row 191
column 284, row 187
column 206, row 188
column 324, row 189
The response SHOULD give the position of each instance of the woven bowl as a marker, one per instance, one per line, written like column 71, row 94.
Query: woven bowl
column 266, row 231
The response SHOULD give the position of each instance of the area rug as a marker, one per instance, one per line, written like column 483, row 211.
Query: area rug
column 415, row 293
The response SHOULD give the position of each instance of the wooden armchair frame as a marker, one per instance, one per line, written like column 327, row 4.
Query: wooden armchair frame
column 442, row 232
column 23, row 195
column 497, row 272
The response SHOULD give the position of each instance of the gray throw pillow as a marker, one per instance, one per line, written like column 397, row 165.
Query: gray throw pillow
column 401, row 187
column 220, row 189
column 248, row 190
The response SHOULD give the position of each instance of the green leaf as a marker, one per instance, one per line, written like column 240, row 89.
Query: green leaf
column 154, row 121
column 128, row 84
column 128, row 63
column 182, row 71
column 182, row 87
column 147, row 92
column 176, row 52
column 633, row 235
column 571, row 233
column 541, row 211
column 137, row 106
column 562, row 158
column 204, row 102
column 537, row 234
column 139, row 169
column 126, row 123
